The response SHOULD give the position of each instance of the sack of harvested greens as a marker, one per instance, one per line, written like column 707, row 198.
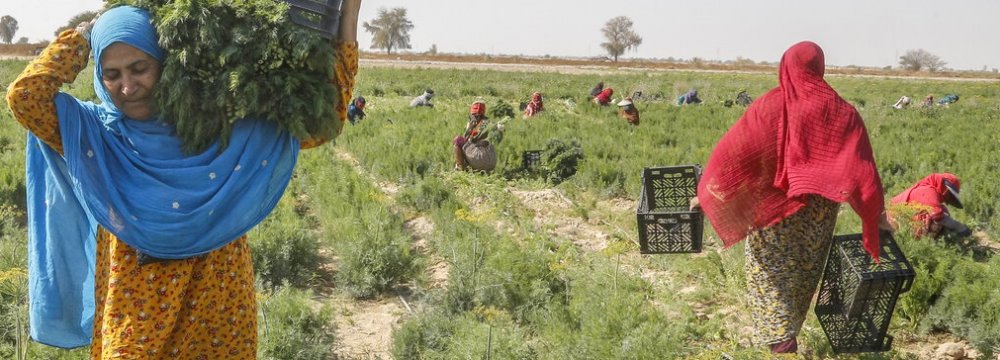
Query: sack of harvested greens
column 234, row 59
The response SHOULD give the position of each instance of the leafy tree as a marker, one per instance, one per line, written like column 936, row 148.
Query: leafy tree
column 76, row 20
column 916, row 60
column 390, row 29
column 22, row 40
column 620, row 36
column 8, row 27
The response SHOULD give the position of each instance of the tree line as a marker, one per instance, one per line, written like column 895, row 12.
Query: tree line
column 390, row 30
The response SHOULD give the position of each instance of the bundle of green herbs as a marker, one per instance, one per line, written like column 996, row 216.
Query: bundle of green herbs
column 235, row 59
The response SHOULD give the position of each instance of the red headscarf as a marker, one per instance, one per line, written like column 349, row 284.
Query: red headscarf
column 477, row 108
column 800, row 138
column 605, row 96
column 535, row 106
column 930, row 191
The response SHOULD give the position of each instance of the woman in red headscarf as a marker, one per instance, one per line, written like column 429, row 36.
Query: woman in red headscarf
column 776, row 179
column 474, row 149
column 535, row 106
column 604, row 97
column 928, row 197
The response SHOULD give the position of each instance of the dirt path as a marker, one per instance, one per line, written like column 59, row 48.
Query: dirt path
column 365, row 327
column 388, row 188
column 551, row 213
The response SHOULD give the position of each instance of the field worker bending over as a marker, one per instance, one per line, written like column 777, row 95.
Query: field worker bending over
column 423, row 100
column 596, row 89
column 628, row 111
column 356, row 111
column 604, row 97
column 928, row 102
column 928, row 197
column 690, row 97
column 476, row 148
column 781, row 193
column 902, row 103
column 145, row 264
column 948, row 100
column 743, row 98
column 535, row 106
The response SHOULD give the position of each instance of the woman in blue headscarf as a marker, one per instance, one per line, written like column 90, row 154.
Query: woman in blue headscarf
column 690, row 97
column 135, row 247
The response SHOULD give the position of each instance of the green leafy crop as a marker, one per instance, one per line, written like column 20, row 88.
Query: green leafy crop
column 229, row 60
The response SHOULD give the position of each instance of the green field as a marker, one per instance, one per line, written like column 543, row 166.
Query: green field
column 537, row 270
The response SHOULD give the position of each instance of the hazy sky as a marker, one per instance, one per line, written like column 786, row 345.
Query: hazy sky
column 852, row 32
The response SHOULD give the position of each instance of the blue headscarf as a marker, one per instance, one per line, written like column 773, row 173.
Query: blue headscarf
column 132, row 178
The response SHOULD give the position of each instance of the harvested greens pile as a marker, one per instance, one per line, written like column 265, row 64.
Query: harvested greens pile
column 232, row 59
column 560, row 159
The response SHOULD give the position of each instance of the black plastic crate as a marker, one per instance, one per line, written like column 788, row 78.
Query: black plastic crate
column 666, row 225
column 322, row 16
column 857, row 296
column 531, row 158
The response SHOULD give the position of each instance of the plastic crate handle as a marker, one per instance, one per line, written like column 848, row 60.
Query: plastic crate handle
column 889, row 247
column 302, row 13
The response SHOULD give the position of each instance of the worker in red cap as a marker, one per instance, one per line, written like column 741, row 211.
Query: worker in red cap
column 928, row 197
column 603, row 98
column 473, row 150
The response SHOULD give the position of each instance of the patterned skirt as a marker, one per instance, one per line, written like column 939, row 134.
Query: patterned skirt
column 784, row 265
column 199, row 308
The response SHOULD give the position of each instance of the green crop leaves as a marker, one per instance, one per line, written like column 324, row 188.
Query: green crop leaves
column 229, row 60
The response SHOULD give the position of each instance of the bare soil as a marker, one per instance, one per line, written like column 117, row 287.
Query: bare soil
column 595, row 67
column 551, row 209
column 364, row 328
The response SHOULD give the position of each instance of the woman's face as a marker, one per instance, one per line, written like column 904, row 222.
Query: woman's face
column 130, row 76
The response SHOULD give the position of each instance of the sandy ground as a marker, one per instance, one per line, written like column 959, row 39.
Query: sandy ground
column 601, row 70
column 16, row 57
column 364, row 328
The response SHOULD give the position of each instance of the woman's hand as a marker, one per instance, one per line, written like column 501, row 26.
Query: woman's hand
column 695, row 204
column 884, row 223
column 85, row 27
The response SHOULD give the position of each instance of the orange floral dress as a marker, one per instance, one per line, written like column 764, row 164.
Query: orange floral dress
column 198, row 308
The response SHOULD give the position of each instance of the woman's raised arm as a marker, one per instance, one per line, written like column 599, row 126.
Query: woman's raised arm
column 345, row 64
column 31, row 97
